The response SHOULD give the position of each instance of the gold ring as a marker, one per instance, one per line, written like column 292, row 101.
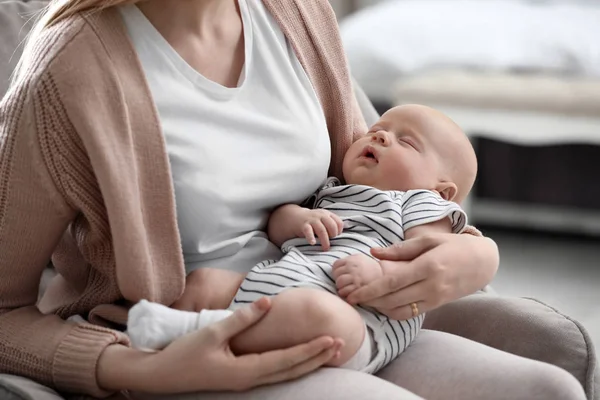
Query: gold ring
column 415, row 309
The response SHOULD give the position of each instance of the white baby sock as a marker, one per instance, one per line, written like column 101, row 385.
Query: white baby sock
column 152, row 326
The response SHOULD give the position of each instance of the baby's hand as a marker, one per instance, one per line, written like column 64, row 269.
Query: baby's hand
column 355, row 271
column 322, row 223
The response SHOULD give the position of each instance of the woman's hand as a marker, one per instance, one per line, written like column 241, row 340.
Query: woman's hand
column 430, row 271
column 210, row 289
column 203, row 360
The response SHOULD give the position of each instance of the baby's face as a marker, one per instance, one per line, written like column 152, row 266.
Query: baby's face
column 404, row 150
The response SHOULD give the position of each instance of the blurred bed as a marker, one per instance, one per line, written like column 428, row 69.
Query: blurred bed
column 523, row 80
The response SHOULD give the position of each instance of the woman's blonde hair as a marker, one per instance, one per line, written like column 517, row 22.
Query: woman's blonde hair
column 53, row 13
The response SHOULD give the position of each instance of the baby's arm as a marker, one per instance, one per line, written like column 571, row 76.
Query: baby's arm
column 284, row 222
column 442, row 226
column 292, row 221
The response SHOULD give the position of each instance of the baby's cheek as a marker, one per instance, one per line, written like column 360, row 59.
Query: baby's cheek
column 402, row 174
column 400, row 165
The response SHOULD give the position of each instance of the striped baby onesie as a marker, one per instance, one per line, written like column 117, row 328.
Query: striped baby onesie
column 372, row 218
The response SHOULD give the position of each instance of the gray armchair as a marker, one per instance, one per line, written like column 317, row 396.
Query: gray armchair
column 543, row 333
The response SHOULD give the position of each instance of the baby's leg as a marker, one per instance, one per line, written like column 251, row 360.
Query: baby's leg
column 300, row 315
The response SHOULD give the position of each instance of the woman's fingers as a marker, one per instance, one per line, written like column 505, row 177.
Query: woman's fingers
column 299, row 369
column 414, row 293
column 405, row 312
column 276, row 361
column 401, row 278
column 407, row 250
column 297, row 361
column 241, row 319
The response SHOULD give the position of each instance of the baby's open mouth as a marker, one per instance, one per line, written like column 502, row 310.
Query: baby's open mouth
column 369, row 152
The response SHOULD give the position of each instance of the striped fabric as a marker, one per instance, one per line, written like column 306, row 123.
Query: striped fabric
column 372, row 218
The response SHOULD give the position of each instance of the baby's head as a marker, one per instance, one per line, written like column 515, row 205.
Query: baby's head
column 413, row 147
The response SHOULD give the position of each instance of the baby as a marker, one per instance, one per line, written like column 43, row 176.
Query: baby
column 403, row 180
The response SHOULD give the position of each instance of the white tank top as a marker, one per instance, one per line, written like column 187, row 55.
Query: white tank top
column 235, row 153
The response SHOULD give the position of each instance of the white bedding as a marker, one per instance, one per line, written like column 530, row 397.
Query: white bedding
column 400, row 37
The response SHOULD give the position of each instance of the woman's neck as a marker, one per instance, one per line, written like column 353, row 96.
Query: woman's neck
column 197, row 17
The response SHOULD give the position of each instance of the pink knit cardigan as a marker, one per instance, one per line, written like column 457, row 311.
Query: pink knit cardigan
column 86, row 179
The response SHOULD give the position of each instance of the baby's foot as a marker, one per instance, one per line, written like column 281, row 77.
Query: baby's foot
column 152, row 326
column 354, row 272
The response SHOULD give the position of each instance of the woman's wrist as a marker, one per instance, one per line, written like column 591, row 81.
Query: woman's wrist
column 123, row 368
column 479, row 264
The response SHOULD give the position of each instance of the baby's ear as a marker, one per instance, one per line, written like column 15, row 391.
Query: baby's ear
column 447, row 190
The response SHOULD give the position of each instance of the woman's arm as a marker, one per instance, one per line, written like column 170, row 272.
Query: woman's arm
column 358, row 270
column 204, row 361
column 34, row 214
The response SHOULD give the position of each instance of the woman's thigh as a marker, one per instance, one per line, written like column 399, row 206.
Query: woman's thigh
column 446, row 367
column 324, row 384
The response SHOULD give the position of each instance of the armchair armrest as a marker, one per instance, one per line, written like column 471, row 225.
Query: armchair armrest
column 525, row 327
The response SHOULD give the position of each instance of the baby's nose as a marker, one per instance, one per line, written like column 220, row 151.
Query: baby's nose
column 380, row 137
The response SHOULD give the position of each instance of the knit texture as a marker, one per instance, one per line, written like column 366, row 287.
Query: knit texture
column 85, row 179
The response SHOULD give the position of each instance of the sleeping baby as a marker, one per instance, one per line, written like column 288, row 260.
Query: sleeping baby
column 403, row 179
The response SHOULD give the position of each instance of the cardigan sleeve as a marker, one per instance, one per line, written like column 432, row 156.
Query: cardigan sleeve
column 34, row 214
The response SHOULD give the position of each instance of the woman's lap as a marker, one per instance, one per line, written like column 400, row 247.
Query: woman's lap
column 439, row 365
column 436, row 366
column 324, row 384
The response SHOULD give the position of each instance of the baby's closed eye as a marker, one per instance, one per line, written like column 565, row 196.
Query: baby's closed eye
column 408, row 141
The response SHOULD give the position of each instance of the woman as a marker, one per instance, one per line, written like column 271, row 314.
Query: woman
column 107, row 166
